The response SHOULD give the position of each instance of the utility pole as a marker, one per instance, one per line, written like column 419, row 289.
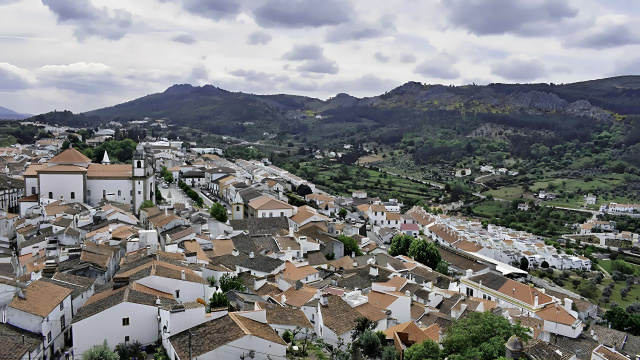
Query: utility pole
column 190, row 345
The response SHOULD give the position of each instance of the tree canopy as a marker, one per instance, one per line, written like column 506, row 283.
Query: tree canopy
column 425, row 252
column 350, row 245
column 230, row 282
column 100, row 352
column 426, row 350
column 219, row 212
column 481, row 336
column 400, row 245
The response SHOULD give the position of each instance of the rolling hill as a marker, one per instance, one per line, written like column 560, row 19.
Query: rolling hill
column 8, row 114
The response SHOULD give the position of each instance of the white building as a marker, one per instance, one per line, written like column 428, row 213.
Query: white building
column 43, row 308
column 71, row 176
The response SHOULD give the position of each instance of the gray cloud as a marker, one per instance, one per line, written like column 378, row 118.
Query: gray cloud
column 519, row 69
column 184, row 38
column 441, row 66
column 367, row 83
column 199, row 74
column 628, row 65
column 362, row 30
column 605, row 37
column 486, row 17
column 85, row 78
column 258, row 76
column 321, row 66
column 408, row 58
column 258, row 37
column 7, row 2
column 304, row 52
column 302, row 13
column 382, row 57
column 211, row 9
column 13, row 78
column 89, row 20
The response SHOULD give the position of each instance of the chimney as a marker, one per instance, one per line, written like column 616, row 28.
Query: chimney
column 568, row 303
column 535, row 301
column 158, row 301
column 373, row 271
column 283, row 299
column 408, row 293
column 183, row 276
column 353, row 254
column 290, row 231
column 469, row 272
column 235, row 252
column 251, row 255
column 324, row 300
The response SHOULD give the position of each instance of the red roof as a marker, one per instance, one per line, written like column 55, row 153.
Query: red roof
column 409, row 227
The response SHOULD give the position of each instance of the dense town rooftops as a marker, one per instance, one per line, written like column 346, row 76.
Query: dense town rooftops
column 40, row 298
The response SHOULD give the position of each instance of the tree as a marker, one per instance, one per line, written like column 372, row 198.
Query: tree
column 443, row 267
column 426, row 350
column 524, row 264
column 390, row 353
column 100, row 352
column 219, row 212
column 480, row 336
column 229, row 282
column 624, row 292
column 127, row 351
column 369, row 344
column 362, row 324
column 400, row 245
column 425, row 252
column 617, row 317
column 218, row 300
column 342, row 213
column 304, row 190
column 544, row 265
column 622, row 266
column 287, row 336
column 147, row 204
column 350, row 245
column 633, row 308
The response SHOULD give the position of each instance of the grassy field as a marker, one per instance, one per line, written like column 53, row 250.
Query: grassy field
column 343, row 179
column 601, row 182
column 490, row 208
column 507, row 192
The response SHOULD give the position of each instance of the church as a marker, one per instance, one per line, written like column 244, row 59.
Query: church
column 71, row 176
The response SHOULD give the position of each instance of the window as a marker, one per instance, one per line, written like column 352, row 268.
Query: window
column 139, row 164
column 281, row 213
column 50, row 195
column 33, row 190
column 177, row 293
column 62, row 305
column 469, row 291
column 104, row 193
column 126, row 339
column 62, row 323
column 119, row 193
column 88, row 193
column 238, row 208
column 270, row 214
column 73, row 195
column 125, row 321
column 139, row 192
column 49, row 337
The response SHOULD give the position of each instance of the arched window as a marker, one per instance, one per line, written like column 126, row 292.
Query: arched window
column 73, row 195
column 50, row 195
column 139, row 164
column 238, row 208
column 88, row 193
column 119, row 193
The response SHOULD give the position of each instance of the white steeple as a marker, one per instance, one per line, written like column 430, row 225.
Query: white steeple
column 105, row 158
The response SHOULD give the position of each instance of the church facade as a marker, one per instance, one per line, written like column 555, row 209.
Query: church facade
column 71, row 176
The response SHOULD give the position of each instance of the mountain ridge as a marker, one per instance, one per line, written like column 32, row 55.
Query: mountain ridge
column 8, row 114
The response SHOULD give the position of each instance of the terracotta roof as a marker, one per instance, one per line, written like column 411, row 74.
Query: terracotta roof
column 61, row 168
column 123, row 171
column 32, row 169
column 413, row 332
column 70, row 155
column 608, row 354
column 345, row 263
column 278, row 315
column 161, row 269
column 15, row 342
column 432, row 332
column 511, row 288
column 297, row 298
column 393, row 216
column 41, row 298
column 339, row 316
column 216, row 333
column 268, row 203
column 378, row 208
column 556, row 314
column 468, row 246
column 222, row 247
column 381, row 300
column 397, row 282
column 292, row 272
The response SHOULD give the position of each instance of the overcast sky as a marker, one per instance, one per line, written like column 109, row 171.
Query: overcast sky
column 85, row 54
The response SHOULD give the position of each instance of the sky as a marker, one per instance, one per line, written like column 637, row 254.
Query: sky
column 81, row 55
